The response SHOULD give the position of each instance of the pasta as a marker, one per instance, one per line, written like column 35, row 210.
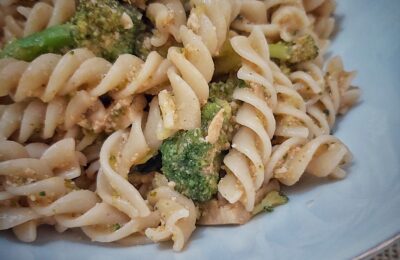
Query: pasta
column 321, row 157
column 178, row 216
column 211, row 19
column 168, row 16
column 293, row 113
column 209, row 111
column 55, row 75
column 287, row 18
column 251, row 144
column 26, row 20
column 36, row 172
column 320, row 15
column 29, row 118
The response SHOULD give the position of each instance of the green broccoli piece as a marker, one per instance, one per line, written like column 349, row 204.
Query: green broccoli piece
column 224, row 89
column 188, row 157
column 271, row 200
column 208, row 112
column 192, row 163
column 301, row 49
column 106, row 27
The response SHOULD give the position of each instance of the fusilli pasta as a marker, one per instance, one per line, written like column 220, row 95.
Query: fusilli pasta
column 228, row 100
column 322, row 156
column 35, row 118
column 40, row 174
column 52, row 75
column 168, row 16
column 277, row 19
column 251, row 144
column 178, row 217
column 26, row 20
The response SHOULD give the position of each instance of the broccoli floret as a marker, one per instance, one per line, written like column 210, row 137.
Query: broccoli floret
column 301, row 49
column 271, row 200
column 106, row 27
column 208, row 112
column 224, row 89
column 288, row 53
column 192, row 159
column 192, row 163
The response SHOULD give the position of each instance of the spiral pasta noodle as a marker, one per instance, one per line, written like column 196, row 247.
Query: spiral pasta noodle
column 291, row 115
column 37, row 17
column 7, row 8
column 323, row 156
column 178, row 217
column 287, row 18
column 320, row 15
column 58, row 81
column 192, row 69
column 168, row 16
column 193, row 65
column 295, row 94
column 211, row 20
column 122, row 213
column 310, row 82
column 44, row 120
column 326, row 93
column 39, row 174
column 342, row 92
column 181, row 106
column 122, row 204
column 52, row 75
column 251, row 146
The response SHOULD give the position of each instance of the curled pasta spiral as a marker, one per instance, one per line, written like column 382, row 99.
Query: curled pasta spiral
column 192, row 69
column 122, row 204
column 293, row 119
column 202, row 38
column 311, row 84
column 323, row 156
column 52, row 75
column 342, row 93
column 251, row 145
column 123, row 212
column 277, row 19
column 320, row 13
column 168, row 16
column 44, row 77
column 211, row 21
column 7, row 8
column 308, row 80
column 130, row 75
column 326, row 94
column 178, row 217
column 338, row 96
column 291, row 115
column 37, row 17
column 39, row 174
column 26, row 119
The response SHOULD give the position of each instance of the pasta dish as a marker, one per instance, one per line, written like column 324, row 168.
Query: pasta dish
column 136, row 121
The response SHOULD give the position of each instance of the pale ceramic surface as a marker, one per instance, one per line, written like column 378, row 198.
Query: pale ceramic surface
column 333, row 220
